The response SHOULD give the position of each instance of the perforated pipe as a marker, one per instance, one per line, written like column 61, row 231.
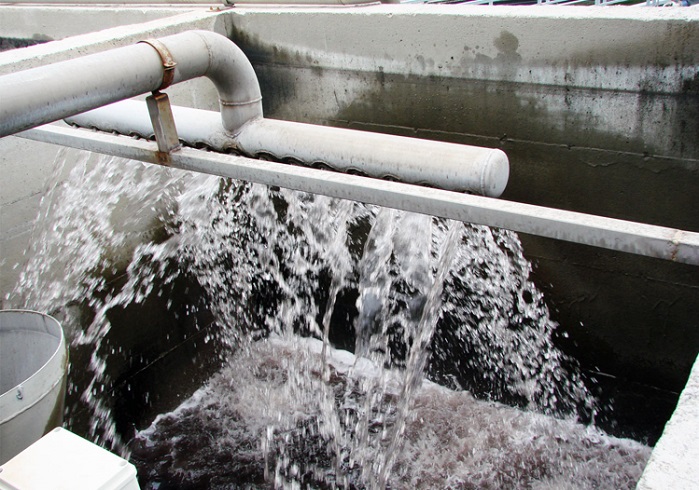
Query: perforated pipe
column 448, row 166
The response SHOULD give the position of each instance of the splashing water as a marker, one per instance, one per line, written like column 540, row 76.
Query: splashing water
column 451, row 440
column 261, row 272
column 79, row 243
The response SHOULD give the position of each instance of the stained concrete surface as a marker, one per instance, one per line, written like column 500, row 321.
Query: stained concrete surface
column 593, row 117
column 673, row 463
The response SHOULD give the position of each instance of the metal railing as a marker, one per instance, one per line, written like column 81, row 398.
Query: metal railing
column 598, row 231
column 598, row 3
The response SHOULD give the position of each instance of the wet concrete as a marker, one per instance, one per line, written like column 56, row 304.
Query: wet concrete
column 625, row 154
column 7, row 43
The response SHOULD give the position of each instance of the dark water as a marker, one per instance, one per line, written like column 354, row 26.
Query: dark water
column 451, row 440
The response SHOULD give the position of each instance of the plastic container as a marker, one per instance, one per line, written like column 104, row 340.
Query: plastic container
column 62, row 460
column 34, row 366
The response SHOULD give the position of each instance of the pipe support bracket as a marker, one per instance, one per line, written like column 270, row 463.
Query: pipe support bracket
column 169, row 62
column 163, row 123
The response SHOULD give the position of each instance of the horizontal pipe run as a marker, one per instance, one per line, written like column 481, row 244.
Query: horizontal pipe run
column 131, row 118
column 449, row 166
column 48, row 93
column 613, row 234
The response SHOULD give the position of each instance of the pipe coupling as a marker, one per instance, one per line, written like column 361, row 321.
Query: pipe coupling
column 168, row 61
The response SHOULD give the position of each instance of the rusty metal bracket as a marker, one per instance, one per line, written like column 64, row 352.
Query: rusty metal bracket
column 169, row 62
column 163, row 124
column 159, row 105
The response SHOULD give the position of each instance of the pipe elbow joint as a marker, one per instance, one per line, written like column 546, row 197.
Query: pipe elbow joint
column 240, row 97
column 205, row 53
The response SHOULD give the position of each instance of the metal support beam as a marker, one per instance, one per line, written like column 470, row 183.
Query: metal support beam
column 624, row 236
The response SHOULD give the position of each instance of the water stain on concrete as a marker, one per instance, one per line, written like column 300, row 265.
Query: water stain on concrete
column 565, row 152
column 507, row 45
column 7, row 43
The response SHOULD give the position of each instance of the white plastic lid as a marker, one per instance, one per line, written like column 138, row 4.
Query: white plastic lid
column 62, row 460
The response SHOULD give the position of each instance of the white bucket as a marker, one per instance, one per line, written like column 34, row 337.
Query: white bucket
column 33, row 370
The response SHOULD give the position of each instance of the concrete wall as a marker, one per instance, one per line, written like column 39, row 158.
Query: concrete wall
column 613, row 87
column 673, row 463
column 42, row 22
column 597, row 108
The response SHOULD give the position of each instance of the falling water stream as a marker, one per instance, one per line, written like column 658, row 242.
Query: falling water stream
column 331, row 344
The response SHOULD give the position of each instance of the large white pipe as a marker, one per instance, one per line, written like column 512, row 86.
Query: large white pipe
column 448, row 166
column 49, row 93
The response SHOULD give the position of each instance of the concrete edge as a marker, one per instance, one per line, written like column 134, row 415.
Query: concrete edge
column 673, row 463
column 82, row 44
column 520, row 11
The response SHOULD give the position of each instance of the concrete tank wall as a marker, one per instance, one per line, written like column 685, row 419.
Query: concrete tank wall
column 597, row 109
column 41, row 22
column 615, row 88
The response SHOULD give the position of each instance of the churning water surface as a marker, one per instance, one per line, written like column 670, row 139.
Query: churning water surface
column 352, row 346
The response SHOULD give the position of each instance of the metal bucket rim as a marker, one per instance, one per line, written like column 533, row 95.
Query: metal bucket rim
column 10, row 405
